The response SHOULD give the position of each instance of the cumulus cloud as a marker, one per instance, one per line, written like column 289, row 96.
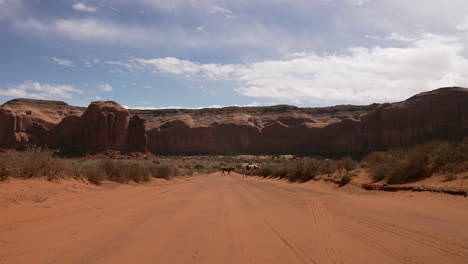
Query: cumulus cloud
column 63, row 62
column 105, row 87
column 84, row 8
column 37, row 90
column 359, row 75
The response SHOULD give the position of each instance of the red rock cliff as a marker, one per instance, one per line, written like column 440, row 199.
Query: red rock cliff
column 103, row 126
column 439, row 114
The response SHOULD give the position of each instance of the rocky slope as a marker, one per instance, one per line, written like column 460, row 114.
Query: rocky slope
column 338, row 130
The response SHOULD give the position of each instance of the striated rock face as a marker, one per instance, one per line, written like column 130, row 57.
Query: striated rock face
column 439, row 114
column 136, row 139
column 339, row 130
column 103, row 126
column 26, row 122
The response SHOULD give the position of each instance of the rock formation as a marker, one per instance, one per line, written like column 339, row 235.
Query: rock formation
column 103, row 126
column 339, row 130
column 25, row 122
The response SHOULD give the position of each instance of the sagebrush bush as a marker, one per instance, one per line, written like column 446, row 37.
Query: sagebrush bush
column 4, row 173
column 37, row 164
column 163, row 171
column 419, row 162
column 346, row 164
column 328, row 167
column 198, row 167
column 94, row 173
column 297, row 170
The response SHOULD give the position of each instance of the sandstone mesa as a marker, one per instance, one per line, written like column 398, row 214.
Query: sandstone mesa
column 440, row 114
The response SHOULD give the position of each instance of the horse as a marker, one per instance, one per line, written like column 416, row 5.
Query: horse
column 248, row 169
column 226, row 169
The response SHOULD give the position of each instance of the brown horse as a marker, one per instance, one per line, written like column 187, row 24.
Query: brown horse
column 248, row 169
column 226, row 169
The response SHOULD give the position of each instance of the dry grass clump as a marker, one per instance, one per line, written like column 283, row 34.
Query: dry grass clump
column 124, row 171
column 165, row 171
column 302, row 170
column 41, row 163
column 35, row 163
column 3, row 170
column 419, row 162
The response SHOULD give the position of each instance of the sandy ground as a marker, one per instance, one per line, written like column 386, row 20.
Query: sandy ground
column 227, row 219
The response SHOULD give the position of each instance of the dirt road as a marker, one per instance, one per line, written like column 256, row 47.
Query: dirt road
column 227, row 219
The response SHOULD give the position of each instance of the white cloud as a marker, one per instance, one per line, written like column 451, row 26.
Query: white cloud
column 105, row 87
column 218, row 9
column 62, row 62
column 401, row 37
column 89, row 63
column 358, row 2
column 360, row 75
column 464, row 24
column 89, row 29
column 221, row 10
column 200, row 28
column 92, row 29
column 84, row 8
column 37, row 90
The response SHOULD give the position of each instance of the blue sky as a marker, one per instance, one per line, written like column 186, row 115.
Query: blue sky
column 174, row 53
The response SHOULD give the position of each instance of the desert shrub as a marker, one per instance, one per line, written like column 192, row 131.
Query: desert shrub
column 454, row 167
column 305, row 170
column 113, row 170
column 328, row 167
column 37, row 164
column 265, row 170
column 94, row 173
column 280, row 171
column 75, row 169
column 198, row 167
column 345, row 179
column 4, row 173
column 400, row 166
column 300, row 170
column 346, row 164
column 311, row 168
column 162, row 171
column 136, row 172
column 449, row 158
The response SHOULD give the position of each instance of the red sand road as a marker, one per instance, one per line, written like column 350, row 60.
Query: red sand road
column 228, row 219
